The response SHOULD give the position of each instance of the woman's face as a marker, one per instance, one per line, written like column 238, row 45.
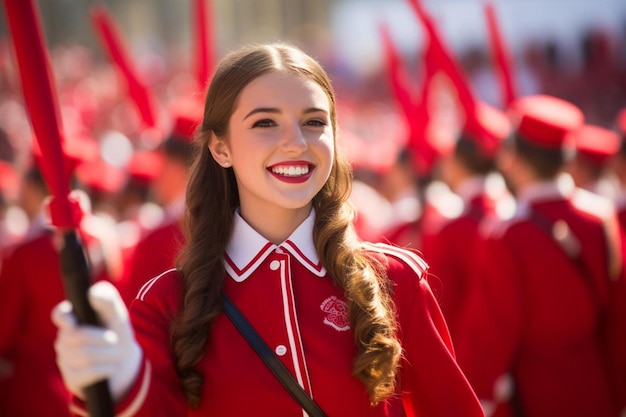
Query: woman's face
column 280, row 144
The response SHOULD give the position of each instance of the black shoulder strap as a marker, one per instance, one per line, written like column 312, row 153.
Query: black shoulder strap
column 276, row 366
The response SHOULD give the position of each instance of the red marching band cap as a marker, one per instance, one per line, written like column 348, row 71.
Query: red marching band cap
column 546, row 121
column 9, row 180
column 186, row 116
column 487, row 127
column 77, row 149
column 101, row 176
column 596, row 143
column 144, row 166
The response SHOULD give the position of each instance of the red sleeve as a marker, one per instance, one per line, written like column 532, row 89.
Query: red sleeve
column 434, row 384
column 486, row 351
column 616, row 325
column 431, row 381
column 156, row 392
column 153, row 255
column 12, row 303
column 443, row 251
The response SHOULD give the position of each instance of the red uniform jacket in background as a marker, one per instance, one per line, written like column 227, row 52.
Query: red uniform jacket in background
column 30, row 287
column 154, row 253
column 446, row 249
column 534, row 316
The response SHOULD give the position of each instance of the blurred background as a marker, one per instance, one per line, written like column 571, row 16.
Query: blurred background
column 573, row 49
column 127, row 128
column 564, row 36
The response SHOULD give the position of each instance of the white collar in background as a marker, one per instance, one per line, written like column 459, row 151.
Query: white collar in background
column 472, row 187
column 558, row 189
column 175, row 209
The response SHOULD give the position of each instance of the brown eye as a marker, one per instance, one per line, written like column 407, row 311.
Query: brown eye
column 264, row 123
column 316, row 122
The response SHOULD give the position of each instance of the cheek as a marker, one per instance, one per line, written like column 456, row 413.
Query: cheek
column 329, row 157
column 328, row 145
column 330, row 150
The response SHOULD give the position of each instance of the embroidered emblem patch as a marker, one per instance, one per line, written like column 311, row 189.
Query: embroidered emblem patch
column 337, row 316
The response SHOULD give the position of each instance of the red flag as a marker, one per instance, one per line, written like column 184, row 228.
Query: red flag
column 414, row 105
column 397, row 75
column 442, row 59
column 113, row 43
column 501, row 56
column 42, row 105
column 486, row 130
column 429, row 141
column 41, row 102
column 205, row 53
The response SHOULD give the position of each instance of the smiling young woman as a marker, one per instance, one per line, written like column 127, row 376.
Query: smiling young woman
column 270, row 226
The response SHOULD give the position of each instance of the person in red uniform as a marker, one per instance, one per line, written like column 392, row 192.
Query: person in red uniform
column 157, row 248
column 533, row 328
column 31, row 285
column 618, row 167
column 595, row 146
column 270, row 226
column 617, row 335
column 468, row 170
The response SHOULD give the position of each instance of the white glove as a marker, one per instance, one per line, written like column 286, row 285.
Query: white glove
column 88, row 354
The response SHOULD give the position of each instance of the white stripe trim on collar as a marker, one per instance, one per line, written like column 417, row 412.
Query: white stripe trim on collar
column 247, row 249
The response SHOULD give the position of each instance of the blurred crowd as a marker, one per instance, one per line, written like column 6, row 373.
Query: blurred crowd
column 130, row 176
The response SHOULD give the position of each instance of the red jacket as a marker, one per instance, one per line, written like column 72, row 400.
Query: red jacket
column 30, row 286
column 446, row 248
column 534, row 316
column 154, row 253
column 617, row 324
column 287, row 296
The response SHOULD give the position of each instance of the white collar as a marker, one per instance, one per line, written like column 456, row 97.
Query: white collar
column 472, row 187
column 560, row 188
column 557, row 189
column 620, row 199
column 175, row 209
column 247, row 249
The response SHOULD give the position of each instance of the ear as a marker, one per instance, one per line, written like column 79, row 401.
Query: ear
column 220, row 151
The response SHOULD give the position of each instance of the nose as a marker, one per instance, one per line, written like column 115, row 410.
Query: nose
column 294, row 139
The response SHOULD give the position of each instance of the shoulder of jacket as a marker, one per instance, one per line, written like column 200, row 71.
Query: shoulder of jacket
column 439, row 221
column 593, row 204
column 495, row 227
column 169, row 282
column 400, row 256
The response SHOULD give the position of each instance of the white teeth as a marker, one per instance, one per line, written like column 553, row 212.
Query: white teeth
column 291, row 171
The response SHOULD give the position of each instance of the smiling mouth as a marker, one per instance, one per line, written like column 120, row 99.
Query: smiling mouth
column 290, row 170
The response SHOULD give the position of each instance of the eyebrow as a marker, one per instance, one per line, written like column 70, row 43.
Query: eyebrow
column 277, row 110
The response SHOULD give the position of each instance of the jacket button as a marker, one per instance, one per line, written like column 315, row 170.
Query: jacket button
column 274, row 265
column 281, row 350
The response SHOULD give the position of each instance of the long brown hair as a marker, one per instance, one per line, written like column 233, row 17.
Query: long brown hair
column 212, row 198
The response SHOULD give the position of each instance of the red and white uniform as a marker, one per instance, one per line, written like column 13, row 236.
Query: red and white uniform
column 286, row 294
column 30, row 286
column 154, row 253
column 445, row 246
column 617, row 342
column 533, row 316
